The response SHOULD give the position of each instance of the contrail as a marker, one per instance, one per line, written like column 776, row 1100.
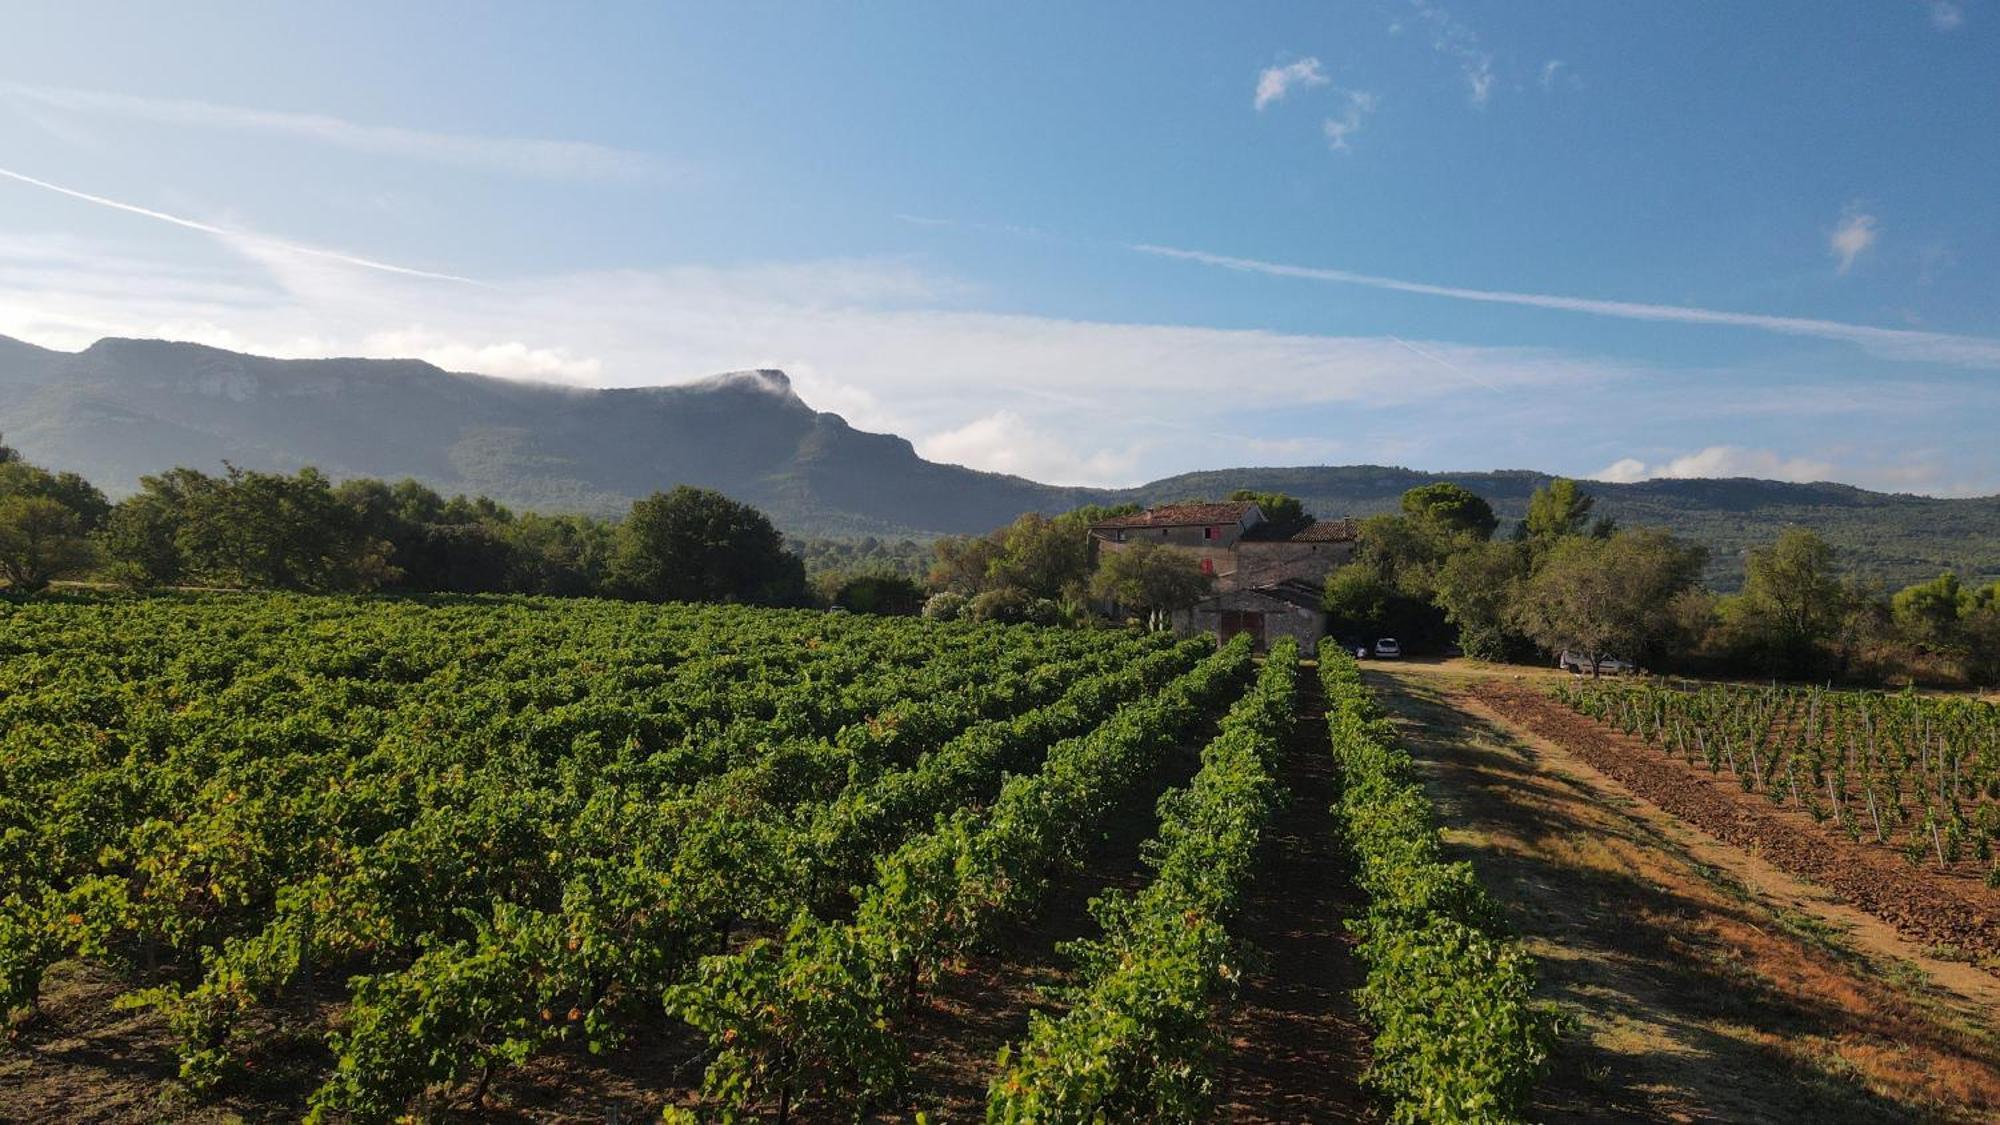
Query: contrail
column 1934, row 347
column 224, row 232
column 1442, row 361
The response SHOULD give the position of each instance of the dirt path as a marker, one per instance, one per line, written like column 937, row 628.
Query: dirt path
column 1700, row 990
column 1297, row 1047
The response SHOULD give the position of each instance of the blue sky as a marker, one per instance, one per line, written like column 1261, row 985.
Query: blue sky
column 1091, row 243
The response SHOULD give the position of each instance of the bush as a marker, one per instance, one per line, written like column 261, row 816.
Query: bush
column 1007, row 606
column 945, row 607
column 1458, row 1033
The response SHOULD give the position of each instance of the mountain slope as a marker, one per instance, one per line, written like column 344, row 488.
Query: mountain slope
column 124, row 408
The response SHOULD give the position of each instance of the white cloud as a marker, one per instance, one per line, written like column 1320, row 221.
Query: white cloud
column 524, row 156
column 1720, row 461
column 1006, row 442
column 1897, row 343
column 1359, row 104
column 509, row 359
column 1927, row 472
column 874, row 340
column 1625, row 470
column 1454, row 39
column 1277, row 81
column 1856, row 233
column 1479, row 79
column 1946, row 15
column 1549, row 71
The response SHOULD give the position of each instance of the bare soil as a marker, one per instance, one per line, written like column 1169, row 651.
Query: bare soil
column 1297, row 1046
column 1700, row 984
column 1943, row 908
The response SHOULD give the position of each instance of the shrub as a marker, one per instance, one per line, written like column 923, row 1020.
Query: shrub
column 945, row 607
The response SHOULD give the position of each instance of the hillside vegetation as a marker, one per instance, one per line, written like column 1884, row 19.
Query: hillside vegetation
column 122, row 409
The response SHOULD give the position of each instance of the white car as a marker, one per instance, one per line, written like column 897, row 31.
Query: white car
column 1578, row 663
column 1387, row 649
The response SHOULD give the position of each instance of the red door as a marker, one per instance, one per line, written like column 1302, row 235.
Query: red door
column 1233, row 621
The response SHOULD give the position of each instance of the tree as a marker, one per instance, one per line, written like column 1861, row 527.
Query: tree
column 1562, row 509
column 1357, row 600
column 248, row 529
column 1149, row 579
column 1043, row 556
column 1793, row 604
column 886, row 594
column 1979, row 626
column 1286, row 514
column 1927, row 613
column 697, row 545
column 1475, row 588
column 1608, row 597
column 40, row 540
column 1453, row 509
column 19, row 478
column 45, row 521
column 141, row 538
column 960, row 563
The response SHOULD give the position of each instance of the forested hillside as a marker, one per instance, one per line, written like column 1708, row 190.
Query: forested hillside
column 122, row 409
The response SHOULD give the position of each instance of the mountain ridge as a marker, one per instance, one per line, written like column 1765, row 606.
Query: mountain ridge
column 125, row 407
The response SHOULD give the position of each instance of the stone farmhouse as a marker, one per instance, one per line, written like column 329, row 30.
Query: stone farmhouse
column 1267, row 578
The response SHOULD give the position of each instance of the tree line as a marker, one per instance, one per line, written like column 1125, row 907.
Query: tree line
column 1563, row 578
column 1437, row 571
column 242, row 529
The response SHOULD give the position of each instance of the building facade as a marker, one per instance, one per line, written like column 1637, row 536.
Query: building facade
column 1267, row 579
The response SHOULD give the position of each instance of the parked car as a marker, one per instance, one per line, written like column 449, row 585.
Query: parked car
column 1387, row 649
column 1578, row 663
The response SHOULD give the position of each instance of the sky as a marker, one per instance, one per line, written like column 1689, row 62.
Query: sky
column 1083, row 243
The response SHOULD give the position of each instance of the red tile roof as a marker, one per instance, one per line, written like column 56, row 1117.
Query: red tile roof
column 1328, row 531
column 1182, row 515
column 1325, row 531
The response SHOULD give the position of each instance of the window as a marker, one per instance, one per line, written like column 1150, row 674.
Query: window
column 1211, row 533
column 1208, row 566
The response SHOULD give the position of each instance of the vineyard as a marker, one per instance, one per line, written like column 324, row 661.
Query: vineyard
column 1918, row 773
column 368, row 859
column 489, row 830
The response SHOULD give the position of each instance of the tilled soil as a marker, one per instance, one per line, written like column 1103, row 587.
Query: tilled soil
column 1697, row 982
column 1926, row 906
column 1298, row 1048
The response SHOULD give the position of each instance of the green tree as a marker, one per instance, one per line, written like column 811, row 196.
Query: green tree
column 45, row 522
column 1560, row 510
column 141, row 540
column 1979, row 627
column 1927, row 614
column 960, row 564
column 1286, row 514
column 1149, row 579
column 697, row 545
column 888, row 594
column 1792, row 605
column 19, row 478
column 40, row 540
column 1452, row 508
column 1608, row 597
column 1358, row 600
column 1476, row 587
column 1043, row 556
